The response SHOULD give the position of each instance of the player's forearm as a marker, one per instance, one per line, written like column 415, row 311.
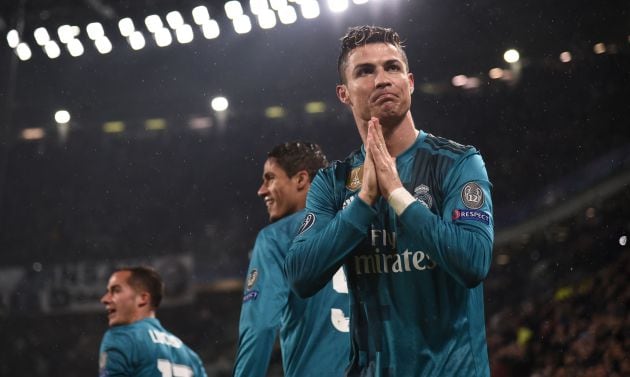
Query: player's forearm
column 316, row 255
column 464, row 252
column 254, row 352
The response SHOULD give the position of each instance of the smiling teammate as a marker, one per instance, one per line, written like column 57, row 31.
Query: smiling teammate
column 314, row 336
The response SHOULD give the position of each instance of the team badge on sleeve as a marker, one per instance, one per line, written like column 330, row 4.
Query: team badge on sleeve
column 471, row 214
column 251, row 278
column 472, row 195
column 102, row 363
column 308, row 222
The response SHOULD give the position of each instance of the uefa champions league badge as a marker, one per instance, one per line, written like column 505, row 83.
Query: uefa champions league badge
column 472, row 196
column 251, row 278
column 421, row 193
column 309, row 221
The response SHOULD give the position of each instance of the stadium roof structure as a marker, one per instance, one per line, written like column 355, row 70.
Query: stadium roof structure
column 290, row 63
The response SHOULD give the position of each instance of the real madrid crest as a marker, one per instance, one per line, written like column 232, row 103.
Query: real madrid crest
column 421, row 193
column 353, row 182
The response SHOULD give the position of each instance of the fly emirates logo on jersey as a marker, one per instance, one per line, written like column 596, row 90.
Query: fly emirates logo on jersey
column 385, row 262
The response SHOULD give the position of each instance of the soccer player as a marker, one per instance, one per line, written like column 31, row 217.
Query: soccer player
column 136, row 343
column 409, row 215
column 314, row 337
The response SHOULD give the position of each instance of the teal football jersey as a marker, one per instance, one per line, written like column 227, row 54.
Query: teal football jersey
column 145, row 349
column 314, row 332
column 414, row 279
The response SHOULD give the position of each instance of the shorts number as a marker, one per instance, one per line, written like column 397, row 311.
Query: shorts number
column 169, row 369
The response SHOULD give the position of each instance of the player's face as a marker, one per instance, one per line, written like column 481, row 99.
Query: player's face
column 279, row 191
column 121, row 300
column 378, row 83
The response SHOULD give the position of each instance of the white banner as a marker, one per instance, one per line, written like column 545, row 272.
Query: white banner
column 79, row 286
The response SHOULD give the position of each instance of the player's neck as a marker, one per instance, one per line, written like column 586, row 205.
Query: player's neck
column 399, row 136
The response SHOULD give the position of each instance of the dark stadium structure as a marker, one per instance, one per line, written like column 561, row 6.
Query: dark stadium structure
column 145, row 171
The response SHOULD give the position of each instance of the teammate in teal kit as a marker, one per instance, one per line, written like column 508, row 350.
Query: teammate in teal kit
column 136, row 343
column 314, row 335
column 409, row 215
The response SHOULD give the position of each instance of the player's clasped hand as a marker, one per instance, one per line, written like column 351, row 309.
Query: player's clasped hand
column 369, row 186
column 378, row 158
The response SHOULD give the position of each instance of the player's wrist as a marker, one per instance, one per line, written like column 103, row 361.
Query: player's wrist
column 400, row 199
column 368, row 198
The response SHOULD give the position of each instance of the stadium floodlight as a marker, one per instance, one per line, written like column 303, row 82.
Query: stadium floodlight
column 267, row 19
column 233, row 9
column 163, row 37
column 65, row 33
column 33, row 133
column 75, row 47
column 41, row 36
column 278, row 4
column 23, row 51
column 275, row 112
column 174, row 19
column 113, row 127
column 459, row 80
column 565, row 57
column 200, row 15
column 126, row 27
column 337, row 6
column 511, row 56
column 95, row 30
column 153, row 22
column 359, row 2
column 599, row 48
column 310, row 9
column 184, row 34
column 242, row 24
column 136, row 40
column 62, row 116
column 155, row 124
column 495, row 73
column 315, row 107
column 210, row 29
column 219, row 104
column 103, row 45
column 287, row 15
column 52, row 49
column 13, row 38
column 258, row 6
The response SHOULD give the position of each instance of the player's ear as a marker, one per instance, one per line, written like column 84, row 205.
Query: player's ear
column 144, row 299
column 342, row 94
column 302, row 179
column 411, row 82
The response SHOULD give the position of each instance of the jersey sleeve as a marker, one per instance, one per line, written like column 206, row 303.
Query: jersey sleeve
column 116, row 355
column 460, row 240
column 327, row 236
column 265, row 296
column 199, row 369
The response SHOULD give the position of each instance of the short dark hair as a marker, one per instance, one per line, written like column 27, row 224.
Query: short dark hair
column 358, row 36
column 146, row 279
column 294, row 156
